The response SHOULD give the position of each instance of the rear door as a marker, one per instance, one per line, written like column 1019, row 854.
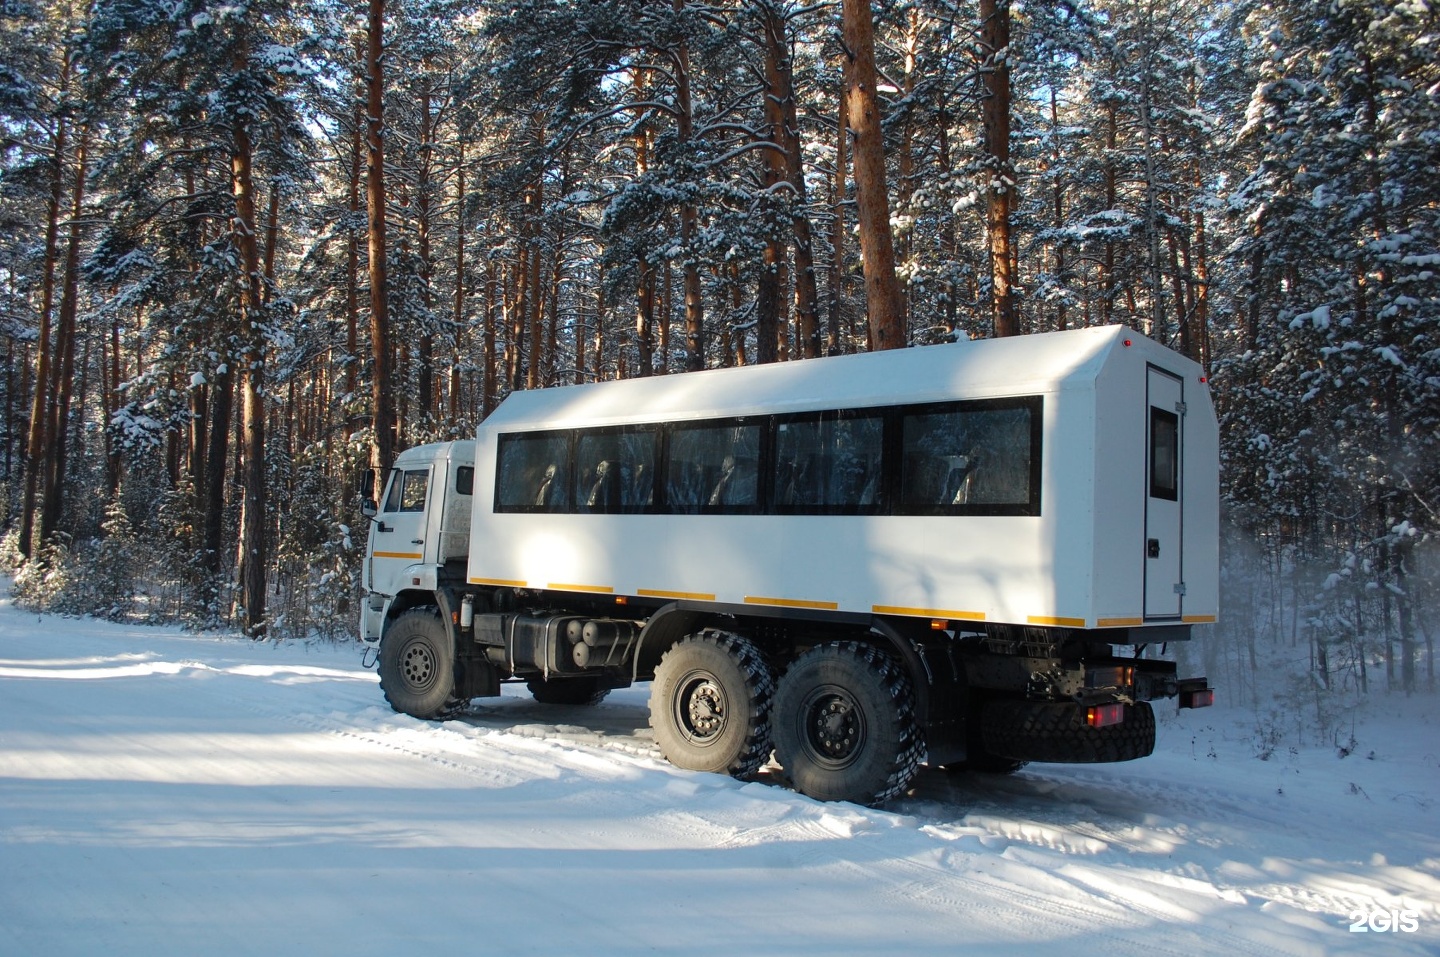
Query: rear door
column 1165, row 420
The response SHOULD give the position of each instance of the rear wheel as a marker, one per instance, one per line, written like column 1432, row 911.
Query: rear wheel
column 845, row 726
column 710, row 704
column 417, row 666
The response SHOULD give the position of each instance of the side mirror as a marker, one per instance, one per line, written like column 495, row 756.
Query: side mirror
column 368, row 508
column 367, row 484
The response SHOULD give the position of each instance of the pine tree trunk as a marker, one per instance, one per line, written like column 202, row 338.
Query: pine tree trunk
column 770, row 320
column 1201, row 316
column 493, row 297
column 517, row 301
column 905, row 182
column 1058, row 207
column 785, row 127
column 645, row 318
column 1107, row 267
column 457, row 314
column 222, row 405
column 949, row 248
column 999, row 193
column 552, row 310
column 535, row 375
column 835, row 337
column 597, row 354
column 381, row 393
column 63, row 380
column 352, row 246
column 110, row 360
column 252, row 563
column 694, row 303
column 11, row 391
column 39, row 438
column 425, row 346
column 645, row 276
column 883, row 303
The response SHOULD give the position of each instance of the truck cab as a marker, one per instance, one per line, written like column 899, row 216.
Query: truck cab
column 419, row 526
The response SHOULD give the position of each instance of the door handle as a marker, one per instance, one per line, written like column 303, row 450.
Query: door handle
column 417, row 541
column 1152, row 547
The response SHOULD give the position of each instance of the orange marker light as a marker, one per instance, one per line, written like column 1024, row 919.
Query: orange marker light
column 1104, row 715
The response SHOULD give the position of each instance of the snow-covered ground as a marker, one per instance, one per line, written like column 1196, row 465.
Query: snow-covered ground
column 163, row 793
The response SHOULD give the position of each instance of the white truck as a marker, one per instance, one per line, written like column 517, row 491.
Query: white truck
column 963, row 554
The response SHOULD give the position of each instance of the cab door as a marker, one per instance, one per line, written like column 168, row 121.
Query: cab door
column 397, row 535
column 1165, row 419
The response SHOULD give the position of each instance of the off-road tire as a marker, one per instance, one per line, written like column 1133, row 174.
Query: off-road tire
column 585, row 690
column 710, row 704
column 417, row 666
column 845, row 727
column 1056, row 732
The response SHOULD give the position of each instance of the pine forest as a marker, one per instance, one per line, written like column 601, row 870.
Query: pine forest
column 251, row 248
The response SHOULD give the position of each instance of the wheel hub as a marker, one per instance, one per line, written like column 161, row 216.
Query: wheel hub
column 704, row 708
column 417, row 664
column 835, row 727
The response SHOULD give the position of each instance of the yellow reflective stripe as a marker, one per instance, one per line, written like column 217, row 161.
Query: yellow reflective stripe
column 661, row 593
column 414, row 556
column 1047, row 620
column 1198, row 619
column 598, row 589
column 1118, row 622
column 502, row 582
column 791, row 602
column 928, row 612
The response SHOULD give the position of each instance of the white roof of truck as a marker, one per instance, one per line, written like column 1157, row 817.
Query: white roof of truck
column 1022, row 365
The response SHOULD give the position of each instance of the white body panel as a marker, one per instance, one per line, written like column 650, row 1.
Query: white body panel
column 1079, row 563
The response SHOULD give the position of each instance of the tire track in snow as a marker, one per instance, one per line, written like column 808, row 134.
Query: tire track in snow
column 409, row 736
column 1054, row 834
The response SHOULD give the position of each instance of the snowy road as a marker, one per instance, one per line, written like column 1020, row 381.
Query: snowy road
column 171, row 794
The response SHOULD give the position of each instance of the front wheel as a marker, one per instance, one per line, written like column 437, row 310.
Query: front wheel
column 710, row 705
column 417, row 666
column 845, row 727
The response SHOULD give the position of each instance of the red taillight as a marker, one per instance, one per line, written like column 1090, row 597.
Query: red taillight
column 1104, row 715
column 1203, row 698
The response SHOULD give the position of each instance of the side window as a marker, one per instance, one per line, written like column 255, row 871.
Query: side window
column 533, row 472
column 392, row 491
column 1164, row 454
column 714, row 467
column 407, row 490
column 827, row 463
column 465, row 480
column 615, row 471
column 971, row 458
